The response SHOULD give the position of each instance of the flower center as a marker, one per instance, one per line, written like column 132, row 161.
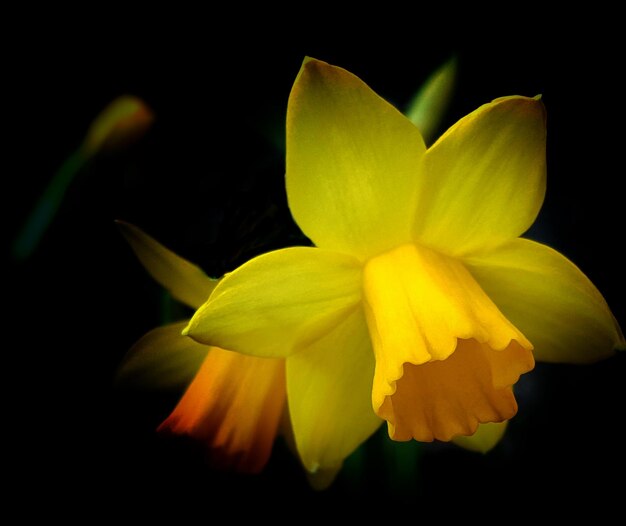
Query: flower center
column 424, row 307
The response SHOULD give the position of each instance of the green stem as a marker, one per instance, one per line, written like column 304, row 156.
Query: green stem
column 40, row 218
column 402, row 459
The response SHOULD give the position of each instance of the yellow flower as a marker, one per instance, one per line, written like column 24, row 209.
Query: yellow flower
column 233, row 403
column 419, row 302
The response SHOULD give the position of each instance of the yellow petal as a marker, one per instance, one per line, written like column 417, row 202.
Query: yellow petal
column 278, row 302
column 483, row 181
column 352, row 163
column 429, row 106
column 234, row 406
column 329, row 385
column 420, row 305
column 547, row 297
column 487, row 437
column 162, row 359
column 185, row 281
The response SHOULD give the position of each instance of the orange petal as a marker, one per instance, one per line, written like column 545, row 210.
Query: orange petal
column 234, row 405
column 441, row 399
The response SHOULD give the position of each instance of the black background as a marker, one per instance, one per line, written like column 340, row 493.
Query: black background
column 207, row 181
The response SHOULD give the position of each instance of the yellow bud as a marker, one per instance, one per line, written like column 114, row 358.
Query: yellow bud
column 121, row 123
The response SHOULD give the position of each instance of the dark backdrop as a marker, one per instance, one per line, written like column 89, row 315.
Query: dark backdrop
column 207, row 181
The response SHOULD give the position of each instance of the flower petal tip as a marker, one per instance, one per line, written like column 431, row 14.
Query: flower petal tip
column 486, row 437
column 310, row 62
column 321, row 478
column 186, row 330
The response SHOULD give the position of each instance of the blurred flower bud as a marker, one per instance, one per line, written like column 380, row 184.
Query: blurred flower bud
column 428, row 107
column 121, row 123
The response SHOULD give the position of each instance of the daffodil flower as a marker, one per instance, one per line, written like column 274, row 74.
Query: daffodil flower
column 232, row 403
column 420, row 304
